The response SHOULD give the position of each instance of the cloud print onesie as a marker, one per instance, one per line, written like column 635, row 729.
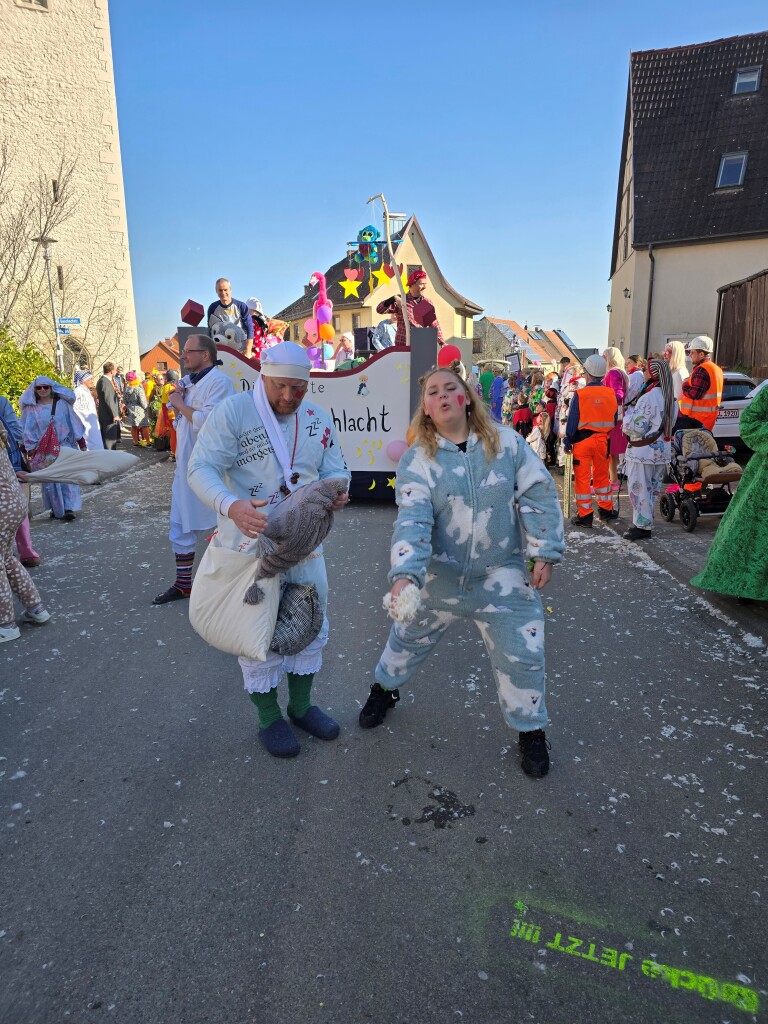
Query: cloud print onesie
column 458, row 537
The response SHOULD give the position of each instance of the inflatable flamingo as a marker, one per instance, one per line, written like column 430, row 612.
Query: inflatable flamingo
column 321, row 323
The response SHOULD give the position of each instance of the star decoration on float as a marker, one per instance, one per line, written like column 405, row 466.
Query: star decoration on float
column 382, row 277
column 391, row 482
column 350, row 288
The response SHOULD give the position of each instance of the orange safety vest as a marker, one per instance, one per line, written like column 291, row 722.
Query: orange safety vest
column 704, row 409
column 597, row 408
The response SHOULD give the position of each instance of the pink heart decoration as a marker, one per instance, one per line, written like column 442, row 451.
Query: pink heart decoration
column 351, row 275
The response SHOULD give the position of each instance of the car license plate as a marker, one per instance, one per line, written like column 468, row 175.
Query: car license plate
column 728, row 414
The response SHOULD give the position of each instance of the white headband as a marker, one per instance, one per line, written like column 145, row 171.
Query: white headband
column 285, row 370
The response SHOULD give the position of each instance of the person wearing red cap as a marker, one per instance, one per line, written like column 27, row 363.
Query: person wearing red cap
column 421, row 312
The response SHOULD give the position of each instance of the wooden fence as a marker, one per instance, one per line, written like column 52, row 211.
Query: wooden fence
column 742, row 325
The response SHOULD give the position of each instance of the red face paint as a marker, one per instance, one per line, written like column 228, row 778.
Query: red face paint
column 460, row 399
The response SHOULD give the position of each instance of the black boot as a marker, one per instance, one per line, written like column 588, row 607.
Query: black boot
column 608, row 513
column 378, row 704
column 635, row 533
column 583, row 521
column 534, row 753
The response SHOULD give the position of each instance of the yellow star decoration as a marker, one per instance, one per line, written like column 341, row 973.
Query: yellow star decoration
column 350, row 288
column 404, row 279
column 381, row 278
column 391, row 482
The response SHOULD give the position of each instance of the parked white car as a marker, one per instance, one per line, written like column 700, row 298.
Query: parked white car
column 737, row 394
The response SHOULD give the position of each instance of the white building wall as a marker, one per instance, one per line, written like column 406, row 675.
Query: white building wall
column 57, row 95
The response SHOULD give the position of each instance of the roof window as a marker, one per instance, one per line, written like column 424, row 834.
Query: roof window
column 747, row 80
column 732, row 167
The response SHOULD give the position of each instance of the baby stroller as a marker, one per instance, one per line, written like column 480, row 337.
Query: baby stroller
column 701, row 475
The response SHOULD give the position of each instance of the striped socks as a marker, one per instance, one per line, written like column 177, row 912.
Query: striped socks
column 184, row 565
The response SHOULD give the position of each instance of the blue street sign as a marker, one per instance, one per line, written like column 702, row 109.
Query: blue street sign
column 69, row 320
column 63, row 330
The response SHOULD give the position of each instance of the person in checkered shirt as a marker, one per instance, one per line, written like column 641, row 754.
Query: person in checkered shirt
column 421, row 312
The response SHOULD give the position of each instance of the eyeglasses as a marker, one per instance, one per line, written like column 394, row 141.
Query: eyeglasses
column 42, row 387
column 189, row 351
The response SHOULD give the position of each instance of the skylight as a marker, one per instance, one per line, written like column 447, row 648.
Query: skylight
column 747, row 80
column 732, row 167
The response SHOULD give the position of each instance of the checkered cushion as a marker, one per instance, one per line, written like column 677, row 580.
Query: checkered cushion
column 299, row 618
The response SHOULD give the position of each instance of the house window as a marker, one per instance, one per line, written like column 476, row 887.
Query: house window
column 336, row 322
column 732, row 167
column 412, row 267
column 295, row 332
column 162, row 366
column 60, row 277
column 36, row 5
column 747, row 80
column 477, row 346
column 463, row 327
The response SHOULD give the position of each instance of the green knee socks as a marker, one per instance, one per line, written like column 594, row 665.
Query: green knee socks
column 299, row 688
column 267, row 706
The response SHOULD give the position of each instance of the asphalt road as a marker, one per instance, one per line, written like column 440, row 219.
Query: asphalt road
column 158, row 866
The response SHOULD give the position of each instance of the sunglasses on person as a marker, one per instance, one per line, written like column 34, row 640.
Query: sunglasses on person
column 42, row 387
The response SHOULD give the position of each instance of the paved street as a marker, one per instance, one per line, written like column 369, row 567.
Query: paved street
column 158, row 866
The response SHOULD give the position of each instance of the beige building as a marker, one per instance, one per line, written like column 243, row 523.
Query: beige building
column 454, row 311
column 58, row 122
column 692, row 203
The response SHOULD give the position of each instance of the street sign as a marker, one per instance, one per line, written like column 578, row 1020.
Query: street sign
column 72, row 320
column 63, row 330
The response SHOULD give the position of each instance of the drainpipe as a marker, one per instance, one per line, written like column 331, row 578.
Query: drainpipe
column 717, row 319
column 652, row 258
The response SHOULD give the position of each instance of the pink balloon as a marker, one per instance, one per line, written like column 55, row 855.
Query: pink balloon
column 395, row 450
column 324, row 314
column 310, row 326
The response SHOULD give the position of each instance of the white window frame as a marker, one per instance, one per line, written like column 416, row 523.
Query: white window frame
column 747, row 73
column 731, row 156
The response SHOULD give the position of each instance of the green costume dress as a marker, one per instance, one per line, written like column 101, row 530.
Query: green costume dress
column 737, row 563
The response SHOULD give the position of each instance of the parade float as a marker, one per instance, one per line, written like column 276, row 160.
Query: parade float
column 371, row 403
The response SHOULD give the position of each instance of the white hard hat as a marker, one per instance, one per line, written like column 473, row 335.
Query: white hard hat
column 595, row 366
column 702, row 344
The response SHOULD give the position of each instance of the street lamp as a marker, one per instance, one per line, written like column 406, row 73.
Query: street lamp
column 46, row 243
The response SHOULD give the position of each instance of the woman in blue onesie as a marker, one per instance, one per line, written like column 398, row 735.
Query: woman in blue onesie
column 476, row 508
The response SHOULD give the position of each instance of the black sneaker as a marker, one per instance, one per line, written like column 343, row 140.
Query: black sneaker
column 378, row 704
column 534, row 750
column 585, row 522
column 608, row 513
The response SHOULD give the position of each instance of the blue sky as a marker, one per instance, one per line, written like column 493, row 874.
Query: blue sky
column 253, row 133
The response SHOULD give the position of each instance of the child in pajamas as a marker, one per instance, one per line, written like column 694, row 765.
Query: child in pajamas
column 467, row 492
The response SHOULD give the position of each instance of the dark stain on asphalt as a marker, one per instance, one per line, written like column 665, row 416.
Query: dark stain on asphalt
column 446, row 810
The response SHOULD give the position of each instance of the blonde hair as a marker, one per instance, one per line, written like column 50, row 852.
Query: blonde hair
column 614, row 360
column 423, row 431
column 677, row 355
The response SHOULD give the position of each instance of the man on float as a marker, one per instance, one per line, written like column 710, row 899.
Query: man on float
column 230, row 311
column 253, row 448
column 421, row 312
